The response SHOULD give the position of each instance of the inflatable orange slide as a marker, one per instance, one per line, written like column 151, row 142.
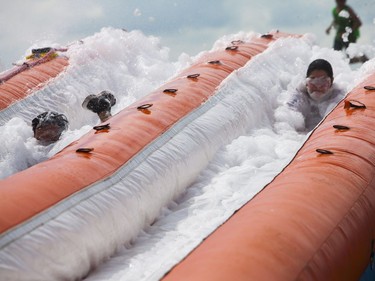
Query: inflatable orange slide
column 315, row 220
column 20, row 81
column 64, row 216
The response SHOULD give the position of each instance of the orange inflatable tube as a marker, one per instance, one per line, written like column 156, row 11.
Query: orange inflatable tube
column 20, row 81
column 58, row 187
column 113, row 148
column 315, row 220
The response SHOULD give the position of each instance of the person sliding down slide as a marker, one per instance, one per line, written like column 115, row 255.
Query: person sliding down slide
column 49, row 126
column 100, row 104
column 317, row 95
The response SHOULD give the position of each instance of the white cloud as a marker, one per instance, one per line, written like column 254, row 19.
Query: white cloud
column 137, row 12
column 176, row 22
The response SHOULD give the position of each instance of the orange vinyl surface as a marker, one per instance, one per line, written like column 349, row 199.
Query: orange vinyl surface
column 44, row 185
column 22, row 84
column 314, row 221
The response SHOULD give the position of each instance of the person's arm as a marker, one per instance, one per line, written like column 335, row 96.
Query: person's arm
column 297, row 100
column 330, row 27
column 294, row 103
column 356, row 20
column 332, row 23
column 337, row 94
column 290, row 114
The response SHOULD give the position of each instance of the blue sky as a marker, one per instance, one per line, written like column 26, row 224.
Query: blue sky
column 187, row 26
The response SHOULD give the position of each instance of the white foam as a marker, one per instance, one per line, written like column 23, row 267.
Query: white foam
column 131, row 65
column 238, row 170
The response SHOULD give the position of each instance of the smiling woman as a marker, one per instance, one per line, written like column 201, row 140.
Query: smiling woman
column 315, row 97
column 319, row 79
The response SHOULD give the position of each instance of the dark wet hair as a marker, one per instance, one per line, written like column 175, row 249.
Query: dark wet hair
column 44, row 120
column 99, row 103
column 320, row 64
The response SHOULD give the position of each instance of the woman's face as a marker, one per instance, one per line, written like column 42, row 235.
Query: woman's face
column 318, row 84
column 48, row 133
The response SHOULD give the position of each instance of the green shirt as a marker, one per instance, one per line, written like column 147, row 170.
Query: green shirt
column 342, row 20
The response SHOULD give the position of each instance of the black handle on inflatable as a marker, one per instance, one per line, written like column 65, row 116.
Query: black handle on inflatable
column 369, row 88
column 84, row 150
column 193, row 76
column 354, row 104
column 216, row 62
column 231, row 48
column 170, row 91
column 341, row 127
column 324, row 151
column 102, row 127
column 144, row 106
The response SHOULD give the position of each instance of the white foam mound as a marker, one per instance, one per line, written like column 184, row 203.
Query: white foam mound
column 209, row 164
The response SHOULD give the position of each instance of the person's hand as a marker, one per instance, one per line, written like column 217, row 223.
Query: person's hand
column 328, row 30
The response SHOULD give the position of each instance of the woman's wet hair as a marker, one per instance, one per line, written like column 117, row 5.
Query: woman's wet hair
column 49, row 126
column 99, row 103
column 320, row 64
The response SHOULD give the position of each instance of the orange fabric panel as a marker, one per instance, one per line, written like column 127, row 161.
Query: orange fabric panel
column 314, row 221
column 19, row 86
column 44, row 185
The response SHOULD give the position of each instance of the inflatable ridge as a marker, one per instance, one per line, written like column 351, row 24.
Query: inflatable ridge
column 315, row 220
column 95, row 187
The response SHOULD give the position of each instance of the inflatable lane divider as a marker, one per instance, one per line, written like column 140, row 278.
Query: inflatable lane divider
column 78, row 207
column 314, row 221
column 22, row 80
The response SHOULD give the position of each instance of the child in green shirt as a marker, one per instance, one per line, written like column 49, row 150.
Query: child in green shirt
column 346, row 23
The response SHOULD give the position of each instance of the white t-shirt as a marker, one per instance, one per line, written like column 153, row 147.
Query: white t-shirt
column 314, row 111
